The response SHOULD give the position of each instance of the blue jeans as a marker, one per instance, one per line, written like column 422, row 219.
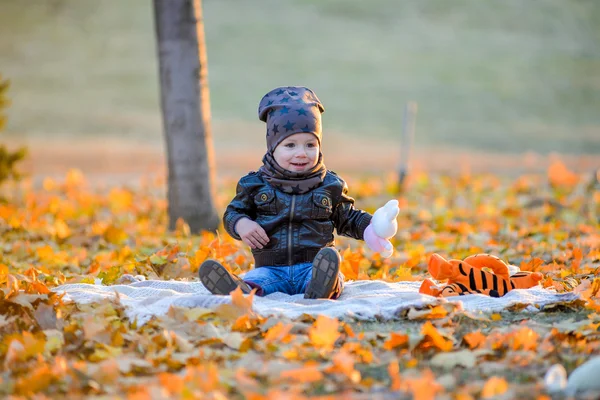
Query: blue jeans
column 290, row 280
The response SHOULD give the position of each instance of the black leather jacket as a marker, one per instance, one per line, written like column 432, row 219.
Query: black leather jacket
column 298, row 225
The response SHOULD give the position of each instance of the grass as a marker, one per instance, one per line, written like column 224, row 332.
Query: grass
column 503, row 76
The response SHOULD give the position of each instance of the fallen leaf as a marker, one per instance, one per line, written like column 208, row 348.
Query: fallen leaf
column 324, row 333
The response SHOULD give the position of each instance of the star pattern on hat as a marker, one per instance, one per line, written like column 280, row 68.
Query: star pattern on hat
column 289, row 126
column 284, row 100
column 293, row 93
column 284, row 110
column 301, row 111
column 275, row 129
column 269, row 103
column 271, row 112
column 306, row 129
column 280, row 92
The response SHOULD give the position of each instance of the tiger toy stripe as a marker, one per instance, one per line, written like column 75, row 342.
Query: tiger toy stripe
column 471, row 275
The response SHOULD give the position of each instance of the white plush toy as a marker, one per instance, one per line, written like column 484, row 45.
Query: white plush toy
column 383, row 226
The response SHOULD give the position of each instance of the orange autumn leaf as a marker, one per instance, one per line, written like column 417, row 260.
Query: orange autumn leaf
column 532, row 265
column 204, row 376
column 348, row 330
column 436, row 337
column 424, row 387
column 588, row 289
column 577, row 257
column 395, row 377
column 172, row 383
column 222, row 248
column 38, row 287
column 395, row 340
column 241, row 302
column 525, row 338
column 559, row 175
column 494, row 387
column 199, row 257
column 474, row 339
column 350, row 264
column 324, row 332
column 305, row 374
column 37, row 380
column 343, row 361
column 278, row 332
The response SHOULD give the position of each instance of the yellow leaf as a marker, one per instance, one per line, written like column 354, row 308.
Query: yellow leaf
column 49, row 184
column 324, row 332
column 114, row 235
column 61, row 229
column 104, row 352
column 74, row 179
column 120, row 199
column 496, row 317
column 193, row 314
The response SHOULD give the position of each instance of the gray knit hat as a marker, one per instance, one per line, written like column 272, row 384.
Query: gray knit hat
column 288, row 110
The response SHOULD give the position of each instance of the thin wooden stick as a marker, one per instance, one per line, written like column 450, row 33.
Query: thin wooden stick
column 406, row 141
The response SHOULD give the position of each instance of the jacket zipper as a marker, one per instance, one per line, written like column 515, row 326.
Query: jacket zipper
column 290, row 230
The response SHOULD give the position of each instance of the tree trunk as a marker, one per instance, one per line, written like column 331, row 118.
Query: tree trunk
column 186, row 113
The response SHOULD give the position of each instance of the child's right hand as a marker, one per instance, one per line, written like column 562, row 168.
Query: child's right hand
column 251, row 233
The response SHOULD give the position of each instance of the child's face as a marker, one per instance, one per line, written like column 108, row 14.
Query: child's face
column 298, row 152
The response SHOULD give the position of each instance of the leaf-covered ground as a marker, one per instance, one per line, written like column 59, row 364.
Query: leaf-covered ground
column 66, row 232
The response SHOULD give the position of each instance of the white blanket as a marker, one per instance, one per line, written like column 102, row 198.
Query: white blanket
column 363, row 300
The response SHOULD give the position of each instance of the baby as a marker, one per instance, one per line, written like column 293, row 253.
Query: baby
column 287, row 211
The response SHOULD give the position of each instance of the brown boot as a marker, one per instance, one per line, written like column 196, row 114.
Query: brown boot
column 218, row 280
column 325, row 270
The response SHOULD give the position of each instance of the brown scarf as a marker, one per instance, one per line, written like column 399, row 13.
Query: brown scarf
column 292, row 182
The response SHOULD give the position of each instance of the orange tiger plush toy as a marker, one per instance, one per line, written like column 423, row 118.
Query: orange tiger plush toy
column 469, row 276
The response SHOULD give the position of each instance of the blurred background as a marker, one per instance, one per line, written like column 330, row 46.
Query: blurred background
column 501, row 86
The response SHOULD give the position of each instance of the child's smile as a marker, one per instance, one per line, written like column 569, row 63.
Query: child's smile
column 298, row 152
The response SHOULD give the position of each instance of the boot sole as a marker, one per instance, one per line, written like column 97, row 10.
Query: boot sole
column 326, row 267
column 217, row 279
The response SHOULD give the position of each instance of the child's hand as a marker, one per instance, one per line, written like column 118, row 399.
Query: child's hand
column 251, row 233
column 377, row 244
